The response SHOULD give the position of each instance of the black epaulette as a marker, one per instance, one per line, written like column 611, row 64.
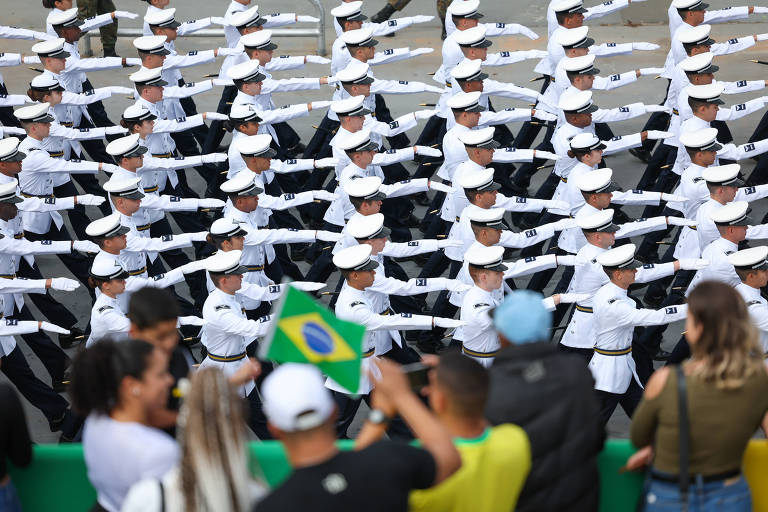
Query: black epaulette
column 481, row 304
column 221, row 307
column 357, row 303
column 104, row 308
column 753, row 303
column 612, row 301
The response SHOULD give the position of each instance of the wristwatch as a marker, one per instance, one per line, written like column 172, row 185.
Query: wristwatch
column 377, row 417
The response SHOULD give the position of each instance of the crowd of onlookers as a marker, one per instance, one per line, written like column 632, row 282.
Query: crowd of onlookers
column 523, row 434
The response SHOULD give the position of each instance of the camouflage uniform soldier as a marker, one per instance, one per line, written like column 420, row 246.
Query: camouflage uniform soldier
column 89, row 8
column 388, row 10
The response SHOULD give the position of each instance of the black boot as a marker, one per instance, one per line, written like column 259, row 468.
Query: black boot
column 384, row 14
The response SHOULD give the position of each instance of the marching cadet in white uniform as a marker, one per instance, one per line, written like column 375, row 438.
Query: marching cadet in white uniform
column 751, row 265
column 88, row 24
column 615, row 316
column 725, row 186
column 600, row 234
column 360, row 45
column 227, row 331
column 355, row 304
column 185, row 28
column 237, row 11
column 244, row 194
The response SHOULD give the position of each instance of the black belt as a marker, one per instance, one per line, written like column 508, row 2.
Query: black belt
column 56, row 154
column 226, row 359
column 669, row 477
column 67, row 125
column 254, row 268
column 138, row 271
column 162, row 155
column 152, row 189
column 369, row 353
column 7, row 276
column 475, row 353
column 143, row 227
column 42, row 196
column 584, row 309
column 19, row 236
column 619, row 352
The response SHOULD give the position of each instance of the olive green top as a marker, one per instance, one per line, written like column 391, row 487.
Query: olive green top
column 721, row 423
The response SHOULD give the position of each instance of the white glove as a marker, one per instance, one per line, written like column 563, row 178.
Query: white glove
column 651, row 71
column 427, row 151
column 679, row 221
column 218, row 20
column 226, row 52
column 307, row 286
column 324, row 163
column 545, row 155
column 658, row 134
column 215, row 116
column 447, row 323
column 448, row 242
column 200, row 236
column 556, row 204
column 657, row 108
column 432, row 88
column 85, row 246
column 535, row 54
column 568, row 260
column 323, row 195
column 306, row 19
column 421, row 18
column 210, row 203
column 125, row 15
column 109, row 168
column 30, row 59
column 760, row 10
column 48, row 326
column 116, row 89
column 90, row 200
column 192, row 267
column 115, row 130
column 424, row 114
column 213, row 158
column 530, row 34
column 440, row 187
column 64, row 284
column 569, row 298
column 43, row 36
column 221, row 82
column 320, row 104
column 328, row 236
column 544, row 116
column 191, row 320
column 133, row 61
column 421, row 51
column 693, row 264
column 332, row 80
column 12, row 130
column 562, row 224
column 316, row 59
column 454, row 285
column 761, row 37
column 672, row 198
column 645, row 46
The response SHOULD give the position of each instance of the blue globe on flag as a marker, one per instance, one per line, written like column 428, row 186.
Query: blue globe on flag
column 317, row 338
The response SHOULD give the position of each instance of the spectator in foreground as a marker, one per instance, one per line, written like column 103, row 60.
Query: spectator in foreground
column 725, row 382
column 301, row 414
column 213, row 474
column 494, row 460
column 550, row 395
column 15, row 445
column 118, row 386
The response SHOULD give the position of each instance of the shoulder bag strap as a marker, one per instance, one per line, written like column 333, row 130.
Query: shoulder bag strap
column 162, row 494
column 684, row 441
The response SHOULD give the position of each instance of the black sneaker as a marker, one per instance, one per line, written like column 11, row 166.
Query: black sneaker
column 640, row 154
column 75, row 337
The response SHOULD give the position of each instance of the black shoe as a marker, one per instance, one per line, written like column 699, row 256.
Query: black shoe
column 421, row 259
column 422, row 199
column 110, row 52
column 297, row 254
column 74, row 338
column 662, row 355
column 640, row 154
column 429, row 347
column 653, row 302
column 297, row 150
column 56, row 424
column 384, row 14
column 411, row 221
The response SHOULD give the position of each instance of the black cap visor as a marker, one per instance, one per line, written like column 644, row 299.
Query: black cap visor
column 16, row 156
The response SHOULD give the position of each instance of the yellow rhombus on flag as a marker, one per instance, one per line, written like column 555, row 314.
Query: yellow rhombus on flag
column 306, row 332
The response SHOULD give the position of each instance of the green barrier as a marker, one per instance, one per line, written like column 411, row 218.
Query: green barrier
column 58, row 476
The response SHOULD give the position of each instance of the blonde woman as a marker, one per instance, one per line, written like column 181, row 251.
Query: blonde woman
column 213, row 471
column 726, row 383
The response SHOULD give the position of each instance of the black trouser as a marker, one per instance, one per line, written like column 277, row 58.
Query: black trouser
column 75, row 262
column 584, row 353
column 680, row 353
column 523, row 175
column 657, row 289
column 401, row 303
column 257, row 420
column 39, row 394
column 98, row 113
column 628, row 400
column 77, row 216
column 540, row 280
column 348, row 405
column 216, row 129
column 398, row 141
column 442, row 306
column 656, row 121
column 190, row 109
column 759, row 175
column 6, row 113
column 432, row 225
column 546, row 191
column 94, row 147
column 648, row 250
column 664, row 155
column 431, row 135
column 186, row 145
column 287, row 265
column 50, row 307
column 529, row 130
column 53, row 358
column 176, row 258
column 323, row 267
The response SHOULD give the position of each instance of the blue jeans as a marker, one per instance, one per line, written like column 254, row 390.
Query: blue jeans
column 702, row 497
column 9, row 500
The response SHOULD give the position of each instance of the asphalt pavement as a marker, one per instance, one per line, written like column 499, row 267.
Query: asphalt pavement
column 614, row 28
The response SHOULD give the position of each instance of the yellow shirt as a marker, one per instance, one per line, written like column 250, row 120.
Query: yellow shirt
column 493, row 470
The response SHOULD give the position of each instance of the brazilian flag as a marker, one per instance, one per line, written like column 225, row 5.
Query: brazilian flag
column 303, row 331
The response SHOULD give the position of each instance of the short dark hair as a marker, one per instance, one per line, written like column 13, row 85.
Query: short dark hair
column 358, row 202
column 465, row 382
column 471, row 194
column 149, row 306
column 98, row 371
column 694, row 103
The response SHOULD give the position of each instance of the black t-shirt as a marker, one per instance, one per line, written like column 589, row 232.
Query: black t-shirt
column 377, row 478
column 178, row 367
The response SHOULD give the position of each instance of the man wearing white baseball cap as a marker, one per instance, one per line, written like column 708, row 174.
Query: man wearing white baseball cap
column 378, row 477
